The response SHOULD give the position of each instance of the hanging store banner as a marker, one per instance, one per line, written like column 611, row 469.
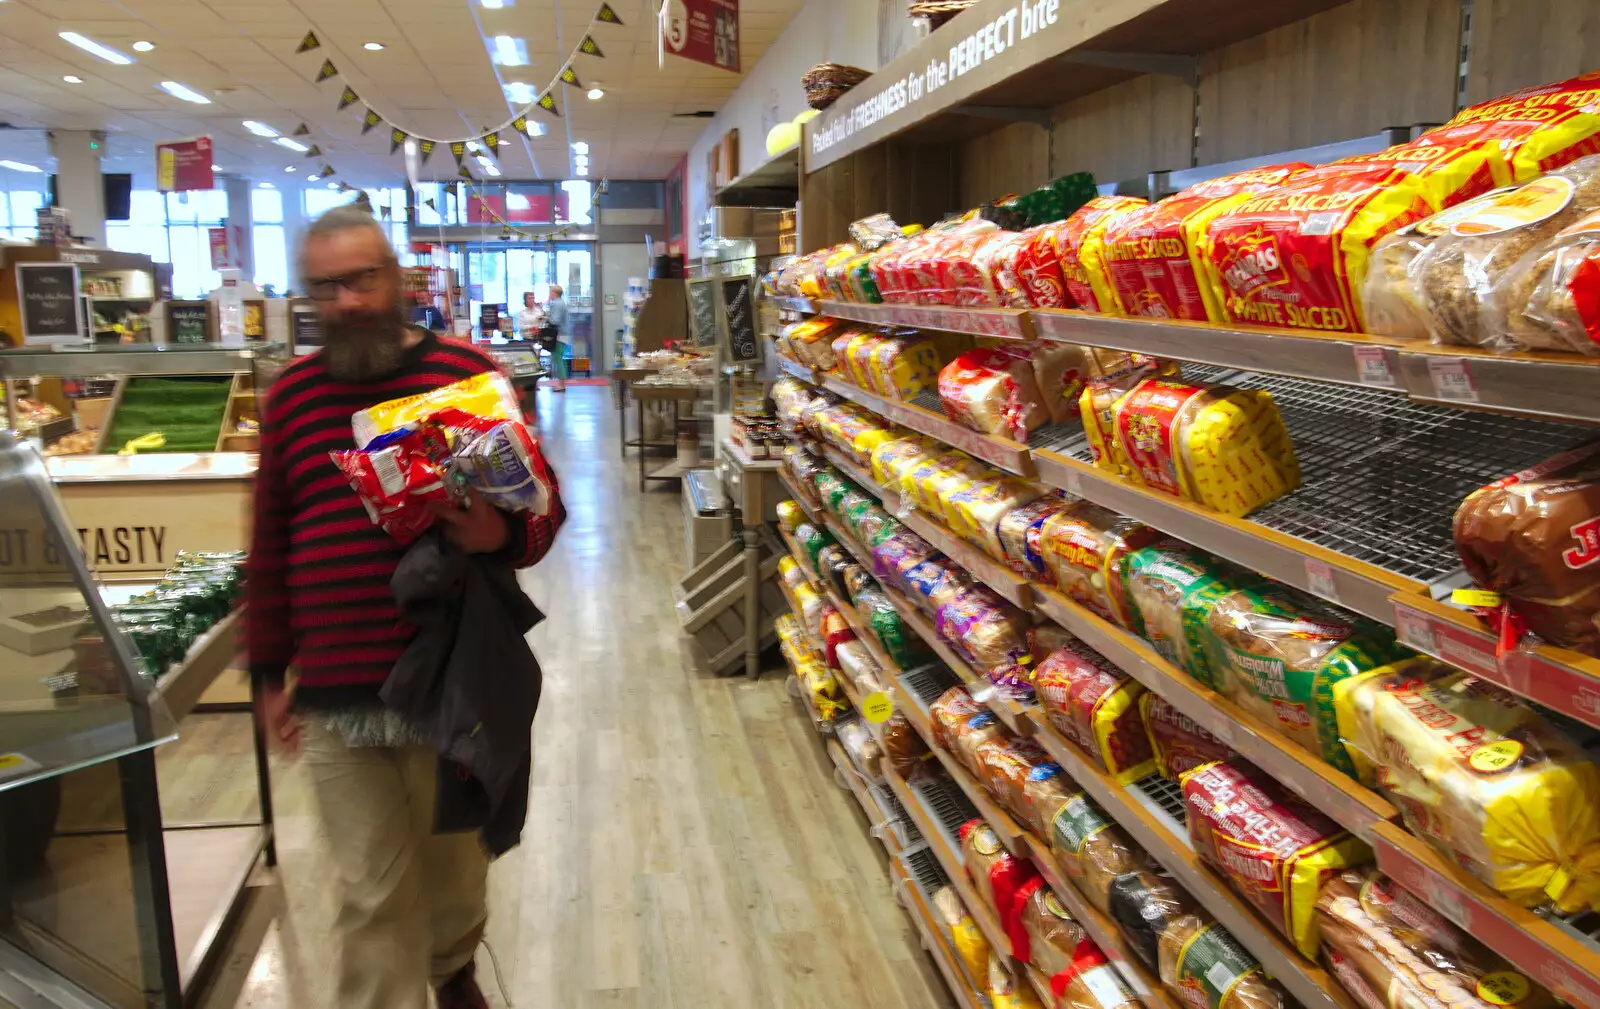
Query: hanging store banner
column 184, row 166
column 220, row 258
column 706, row 31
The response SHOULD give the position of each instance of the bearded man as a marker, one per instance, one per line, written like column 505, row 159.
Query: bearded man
column 410, row 900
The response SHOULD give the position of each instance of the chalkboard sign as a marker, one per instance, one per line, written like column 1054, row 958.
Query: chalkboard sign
column 703, row 311
column 739, row 318
column 188, row 322
column 305, row 329
column 51, row 311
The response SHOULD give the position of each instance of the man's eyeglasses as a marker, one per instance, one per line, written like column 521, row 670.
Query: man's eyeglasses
column 361, row 282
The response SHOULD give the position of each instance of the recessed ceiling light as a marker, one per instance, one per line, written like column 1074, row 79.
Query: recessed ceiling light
column 312, row 178
column 510, row 51
column 293, row 145
column 579, row 147
column 89, row 45
column 73, row 79
column 373, row 46
column 288, row 168
column 520, row 93
column 216, row 168
column 536, row 129
column 143, row 47
column 491, row 170
column 472, row 146
column 185, row 92
column 17, row 166
column 596, row 93
column 265, row 185
column 581, row 160
column 495, row 5
column 333, row 185
column 259, row 129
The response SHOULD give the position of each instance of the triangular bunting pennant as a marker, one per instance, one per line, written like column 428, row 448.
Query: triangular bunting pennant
column 314, row 151
column 425, row 148
column 326, row 170
column 465, row 173
column 458, row 148
column 383, row 212
column 309, row 43
column 429, row 201
column 302, row 130
column 589, row 48
column 607, row 15
column 396, row 138
column 328, row 70
column 548, row 103
column 348, row 98
column 520, row 124
column 370, row 120
column 570, row 77
column 491, row 141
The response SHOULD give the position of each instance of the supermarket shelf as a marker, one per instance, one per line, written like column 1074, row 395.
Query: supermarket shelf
column 1564, row 681
column 1569, row 966
column 794, row 369
column 781, row 171
column 926, row 418
column 1011, row 833
column 1358, row 809
column 742, row 458
column 909, row 875
column 805, row 305
column 143, row 359
column 1009, row 323
column 180, row 688
column 1308, row 983
column 851, row 469
column 1143, row 981
column 1558, row 386
column 852, row 781
column 997, row 576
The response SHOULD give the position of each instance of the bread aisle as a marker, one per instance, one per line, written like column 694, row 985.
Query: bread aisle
column 684, row 845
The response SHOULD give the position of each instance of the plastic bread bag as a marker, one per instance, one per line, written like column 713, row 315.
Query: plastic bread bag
column 1273, row 849
column 1053, row 935
column 831, row 564
column 1483, row 778
column 1552, row 296
column 1145, row 903
column 893, row 459
column 1467, row 280
column 487, row 394
column 894, row 558
column 979, row 509
column 1091, row 982
column 936, row 583
column 948, row 712
column 1531, row 130
column 857, row 663
column 1084, row 546
column 1208, row 968
column 811, row 340
column 999, row 877
column 1378, row 938
column 1019, row 531
column 1006, row 991
column 858, row 580
column 817, row 680
column 1092, row 849
column 971, row 946
column 1534, row 538
column 994, row 391
column 812, row 539
column 901, row 645
column 923, row 485
column 1081, row 246
column 1062, row 371
column 983, row 628
column 1008, row 767
column 790, row 515
column 1098, row 403
column 1216, row 445
column 833, row 631
column 851, row 361
column 1095, row 705
column 902, row 745
column 1171, row 588
column 1178, row 744
column 903, row 367
column 1280, row 654
column 994, row 261
column 860, row 747
column 791, row 572
column 832, row 488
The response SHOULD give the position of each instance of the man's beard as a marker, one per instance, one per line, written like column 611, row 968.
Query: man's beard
column 360, row 348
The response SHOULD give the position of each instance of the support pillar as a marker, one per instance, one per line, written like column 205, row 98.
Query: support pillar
column 79, row 189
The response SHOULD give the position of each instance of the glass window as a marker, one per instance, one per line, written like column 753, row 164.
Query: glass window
column 192, row 275
column 580, row 200
column 208, row 206
column 272, row 257
column 24, row 204
column 145, row 231
column 266, row 206
column 320, row 201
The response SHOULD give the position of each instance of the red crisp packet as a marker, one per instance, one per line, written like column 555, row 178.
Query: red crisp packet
column 395, row 483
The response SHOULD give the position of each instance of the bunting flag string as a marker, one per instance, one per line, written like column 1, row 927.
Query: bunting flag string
column 325, row 171
column 370, row 120
column 548, row 103
column 607, row 15
column 302, row 130
column 569, row 76
column 308, row 43
column 328, row 71
column 425, row 148
column 348, row 98
column 491, row 143
column 396, row 138
column 314, row 151
column 458, row 148
column 589, row 47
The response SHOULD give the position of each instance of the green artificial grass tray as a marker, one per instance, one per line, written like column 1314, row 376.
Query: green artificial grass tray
column 188, row 410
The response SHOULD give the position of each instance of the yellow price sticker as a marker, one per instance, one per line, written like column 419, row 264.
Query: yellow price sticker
column 16, row 763
column 1504, row 987
column 1492, row 758
column 1475, row 597
column 876, row 707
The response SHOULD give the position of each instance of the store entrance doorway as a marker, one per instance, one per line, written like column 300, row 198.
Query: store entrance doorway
column 500, row 273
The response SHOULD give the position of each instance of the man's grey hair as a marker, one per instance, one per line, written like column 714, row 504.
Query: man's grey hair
column 346, row 218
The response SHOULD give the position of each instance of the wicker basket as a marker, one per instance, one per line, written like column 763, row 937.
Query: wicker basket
column 937, row 11
column 825, row 82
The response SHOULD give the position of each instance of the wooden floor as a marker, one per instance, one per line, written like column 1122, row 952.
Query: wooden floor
column 686, row 846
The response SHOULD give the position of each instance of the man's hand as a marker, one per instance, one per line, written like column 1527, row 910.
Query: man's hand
column 278, row 722
column 476, row 527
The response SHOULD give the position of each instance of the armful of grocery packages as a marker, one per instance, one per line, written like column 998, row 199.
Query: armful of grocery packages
column 435, row 447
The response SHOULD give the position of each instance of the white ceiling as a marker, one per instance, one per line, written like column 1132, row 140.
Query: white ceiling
column 434, row 78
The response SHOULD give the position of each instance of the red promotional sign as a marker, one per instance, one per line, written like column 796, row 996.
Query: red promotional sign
column 184, row 165
column 706, row 31
column 220, row 259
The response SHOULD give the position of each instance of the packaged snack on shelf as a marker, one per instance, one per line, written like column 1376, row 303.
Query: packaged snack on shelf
column 902, row 367
column 1006, row 991
column 1156, row 253
column 1092, row 849
column 1016, row 772
column 971, row 947
column 937, row 582
column 396, row 484
column 812, row 539
column 1221, row 447
column 1482, row 777
column 1470, row 286
column 998, row 877
column 1019, row 532
column 1080, row 244
column 902, row 745
column 790, row 515
column 993, row 391
column 1177, row 743
column 1534, row 538
column 1386, row 947
column 977, row 510
column 1095, row 705
column 1280, row 655
column 1275, row 850
column 1171, row 588
column 488, row 395
column 983, row 628
column 1207, row 968
column 1084, row 546
column 1145, row 904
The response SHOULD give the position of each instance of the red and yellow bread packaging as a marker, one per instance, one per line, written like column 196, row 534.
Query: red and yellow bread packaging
column 1083, row 545
column 1081, row 250
column 1096, row 705
column 1531, row 131
column 1177, row 743
column 1218, row 446
column 994, row 390
column 1038, row 269
column 1003, row 881
column 1275, row 850
column 1156, row 254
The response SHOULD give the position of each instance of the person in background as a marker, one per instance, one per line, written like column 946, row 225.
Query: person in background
column 411, row 902
column 427, row 315
column 530, row 320
column 555, row 315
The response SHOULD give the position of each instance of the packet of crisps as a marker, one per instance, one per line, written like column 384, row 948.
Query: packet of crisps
column 501, row 460
column 487, row 395
column 397, row 480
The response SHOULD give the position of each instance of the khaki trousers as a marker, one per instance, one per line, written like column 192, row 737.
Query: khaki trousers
column 411, row 902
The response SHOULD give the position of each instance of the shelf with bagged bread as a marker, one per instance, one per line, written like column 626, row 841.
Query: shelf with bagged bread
column 792, row 304
column 851, row 779
column 1003, row 323
column 852, row 469
column 794, row 369
column 924, row 416
column 1006, row 583
column 918, row 874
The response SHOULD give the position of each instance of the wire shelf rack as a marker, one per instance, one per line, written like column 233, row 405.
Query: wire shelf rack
column 1163, row 796
column 927, row 683
column 925, row 871
column 895, row 816
column 948, row 804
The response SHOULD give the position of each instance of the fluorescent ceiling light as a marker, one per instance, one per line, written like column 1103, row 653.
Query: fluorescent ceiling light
column 259, row 129
column 491, row 170
column 583, row 170
column 143, row 47
column 519, row 93
column 312, row 178
column 510, row 52
column 17, row 166
column 216, row 168
column 579, row 147
column 292, row 144
column 373, row 46
column 265, row 185
column 185, row 92
column 596, row 93
column 89, row 45
column 536, row 129
column 495, row 5
column 73, row 79
column 333, row 185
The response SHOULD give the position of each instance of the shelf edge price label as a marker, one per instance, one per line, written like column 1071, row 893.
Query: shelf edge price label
column 876, row 707
column 1319, row 580
column 1372, row 367
column 1415, row 630
column 12, row 764
column 1452, row 380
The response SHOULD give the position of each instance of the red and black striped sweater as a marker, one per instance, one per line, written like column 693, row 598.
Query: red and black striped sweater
column 317, row 588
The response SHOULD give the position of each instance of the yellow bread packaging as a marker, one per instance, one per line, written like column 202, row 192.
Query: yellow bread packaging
column 1081, row 249
column 901, row 367
column 487, row 394
column 892, row 460
column 1482, row 777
